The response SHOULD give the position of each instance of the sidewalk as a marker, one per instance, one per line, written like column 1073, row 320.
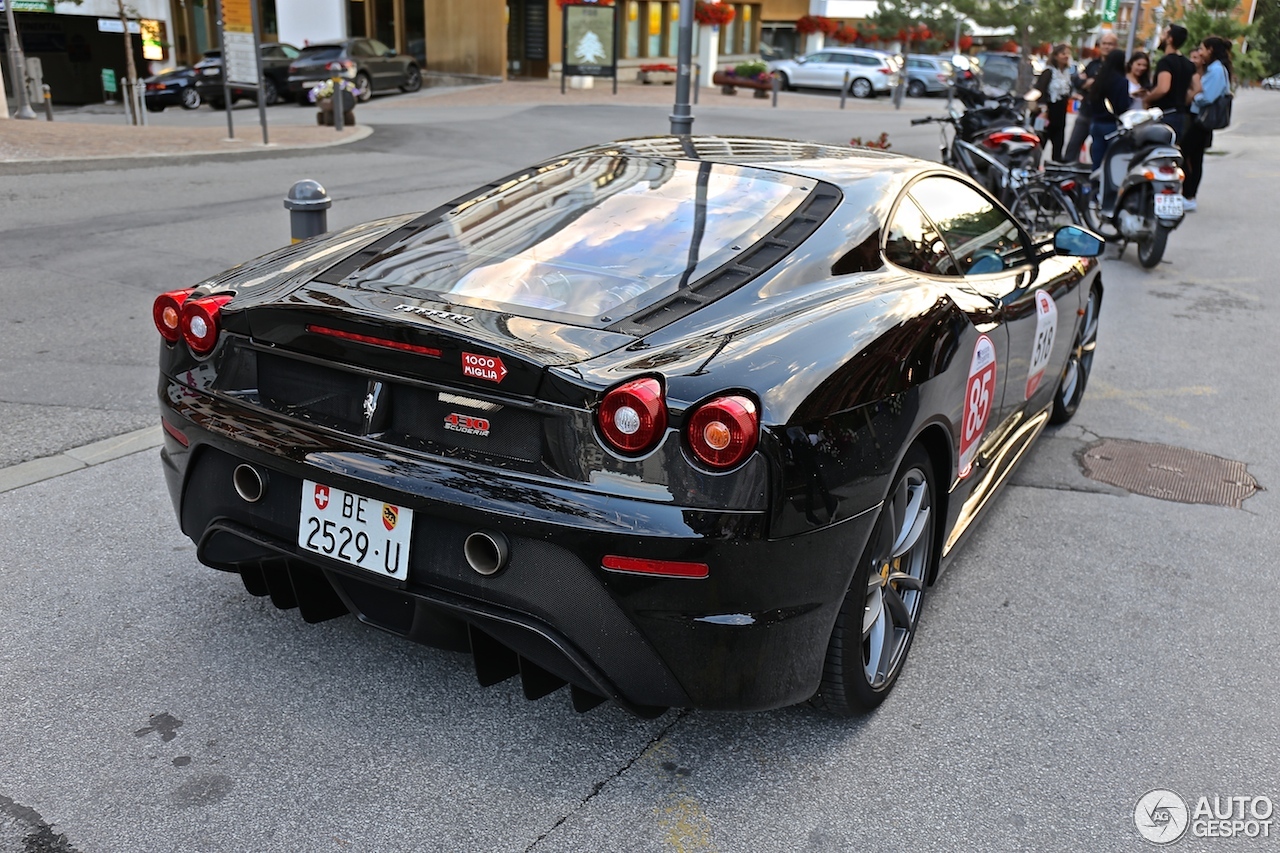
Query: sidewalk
column 94, row 133
column 42, row 141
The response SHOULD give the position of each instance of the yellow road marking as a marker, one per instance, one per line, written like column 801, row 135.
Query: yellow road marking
column 684, row 826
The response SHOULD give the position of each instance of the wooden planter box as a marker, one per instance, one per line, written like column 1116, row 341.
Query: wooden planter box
column 729, row 84
column 665, row 78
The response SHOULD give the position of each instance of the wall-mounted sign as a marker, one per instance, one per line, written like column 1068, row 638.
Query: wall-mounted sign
column 1110, row 9
column 30, row 5
column 113, row 25
column 109, row 81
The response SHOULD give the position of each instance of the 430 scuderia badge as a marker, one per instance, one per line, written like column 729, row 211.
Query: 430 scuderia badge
column 978, row 392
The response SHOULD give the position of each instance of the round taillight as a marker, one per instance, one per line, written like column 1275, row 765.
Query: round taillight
column 200, row 322
column 724, row 431
column 167, row 313
column 633, row 416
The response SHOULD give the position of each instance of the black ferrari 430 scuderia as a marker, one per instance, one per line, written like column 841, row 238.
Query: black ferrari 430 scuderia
column 678, row 422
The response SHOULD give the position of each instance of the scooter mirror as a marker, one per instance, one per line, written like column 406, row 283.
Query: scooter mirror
column 1076, row 241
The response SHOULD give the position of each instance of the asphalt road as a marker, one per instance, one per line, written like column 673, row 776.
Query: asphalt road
column 1086, row 647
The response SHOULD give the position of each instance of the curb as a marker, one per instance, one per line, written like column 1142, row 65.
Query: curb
column 78, row 458
column 362, row 131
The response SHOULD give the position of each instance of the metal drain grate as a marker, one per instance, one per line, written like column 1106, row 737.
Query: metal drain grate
column 1168, row 473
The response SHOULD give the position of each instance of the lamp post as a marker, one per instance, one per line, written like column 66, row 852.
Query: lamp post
column 682, row 113
column 17, row 67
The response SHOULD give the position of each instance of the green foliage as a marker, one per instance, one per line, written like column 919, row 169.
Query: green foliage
column 1222, row 18
column 1266, row 41
column 750, row 69
column 891, row 16
column 1042, row 21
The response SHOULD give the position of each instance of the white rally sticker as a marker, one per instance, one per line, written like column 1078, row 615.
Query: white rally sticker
column 1042, row 349
column 978, row 399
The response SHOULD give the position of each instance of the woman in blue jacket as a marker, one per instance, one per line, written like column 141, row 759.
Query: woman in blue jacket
column 1208, row 86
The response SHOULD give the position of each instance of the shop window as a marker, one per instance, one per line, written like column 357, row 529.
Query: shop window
column 631, row 23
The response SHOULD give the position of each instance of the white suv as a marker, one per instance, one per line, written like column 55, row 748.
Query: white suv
column 871, row 72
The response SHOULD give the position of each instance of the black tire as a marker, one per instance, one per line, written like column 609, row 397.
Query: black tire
column 190, row 98
column 1043, row 209
column 784, row 82
column 270, row 95
column 365, row 85
column 412, row 80
column 155, row 108
column 1151, row 251
column 1075, row 375
column 1091, row 213
column 885, row 590
column 916, row 89
column 862, row 88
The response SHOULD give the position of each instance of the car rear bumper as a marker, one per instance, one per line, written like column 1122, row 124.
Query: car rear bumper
column 752, row 635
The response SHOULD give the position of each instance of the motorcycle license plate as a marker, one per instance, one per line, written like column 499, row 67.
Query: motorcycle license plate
column 1168, row 206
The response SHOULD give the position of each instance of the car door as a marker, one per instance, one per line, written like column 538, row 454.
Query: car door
column 367, row 61
column 390, row 68
column 998, row 261
column 811, row 71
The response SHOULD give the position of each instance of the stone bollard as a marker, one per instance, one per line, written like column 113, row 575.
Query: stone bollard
column 307, row 203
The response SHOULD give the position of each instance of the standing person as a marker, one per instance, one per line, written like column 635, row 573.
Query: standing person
column 1083, row 84
column 1173, row 79
column 1054, row 85
column 1214, row 82
column 1109, row 97
column 1139, row 75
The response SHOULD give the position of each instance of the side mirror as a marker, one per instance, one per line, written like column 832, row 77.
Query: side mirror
column 801, row 60
column 391, row 52
column 1076, row 241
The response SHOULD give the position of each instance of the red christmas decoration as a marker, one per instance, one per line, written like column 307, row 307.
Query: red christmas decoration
column 966, row 42
column 712, row 14
column 923, row 33
column 1010, row 46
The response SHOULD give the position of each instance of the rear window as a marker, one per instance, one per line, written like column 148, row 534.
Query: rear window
column 594, row 239
column 321, row 52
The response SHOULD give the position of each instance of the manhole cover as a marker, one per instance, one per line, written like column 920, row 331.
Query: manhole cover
column 1168, row 473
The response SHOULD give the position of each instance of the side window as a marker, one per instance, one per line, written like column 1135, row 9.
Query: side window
column 361, row 48
column 866, row 60
column 819, row 57
column 843, row 59
column 379, row 49
column 290, row 52
column 912, row 242
column 981, row 237
column 916, row 63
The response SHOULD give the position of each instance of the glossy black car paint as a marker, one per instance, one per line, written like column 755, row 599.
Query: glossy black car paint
column 851, row 360
column 379, row 65
column 170, row 89
column 276, row 57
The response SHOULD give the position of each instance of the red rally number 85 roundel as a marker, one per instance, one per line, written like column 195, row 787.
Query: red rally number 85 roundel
column 979, row 392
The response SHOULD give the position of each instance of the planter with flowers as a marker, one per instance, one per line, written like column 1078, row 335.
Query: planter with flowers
column 659, row 72
column 712, row 14
column 748, row 75
column 324, row 97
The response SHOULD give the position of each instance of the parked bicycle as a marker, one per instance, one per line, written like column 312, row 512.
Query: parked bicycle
column 1005, row 159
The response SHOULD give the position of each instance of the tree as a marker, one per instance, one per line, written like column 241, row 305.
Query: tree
column 1266, row 41
column 1223, row 18
column 1035, row 21
column 912, row 18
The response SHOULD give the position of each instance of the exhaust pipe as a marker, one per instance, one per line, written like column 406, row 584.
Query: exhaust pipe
column 486, row 551
column 249, row 483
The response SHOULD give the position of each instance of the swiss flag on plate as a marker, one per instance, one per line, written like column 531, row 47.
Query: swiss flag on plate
column 322, row 496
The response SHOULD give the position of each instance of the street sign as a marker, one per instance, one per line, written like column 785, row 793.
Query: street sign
column 237, row 16
column 109, row 81
column 240, row 58
column 1110, row 9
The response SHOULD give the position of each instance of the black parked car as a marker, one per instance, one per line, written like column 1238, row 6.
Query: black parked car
column 276, row 58
column 173, row 88
column 676, row 422
column 370, row 63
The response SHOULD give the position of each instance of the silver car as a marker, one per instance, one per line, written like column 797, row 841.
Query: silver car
column 870, row 72
column 928, row 75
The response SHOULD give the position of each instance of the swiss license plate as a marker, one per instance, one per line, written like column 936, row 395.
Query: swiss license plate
column 363, row 532
column 1168, row 206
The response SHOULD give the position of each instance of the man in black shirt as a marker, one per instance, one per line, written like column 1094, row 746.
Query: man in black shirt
column 1084, row 116
column 1173, row 78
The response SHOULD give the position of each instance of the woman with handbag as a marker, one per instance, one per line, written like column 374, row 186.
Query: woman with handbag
column 1206, row 93
column 1054, row 85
